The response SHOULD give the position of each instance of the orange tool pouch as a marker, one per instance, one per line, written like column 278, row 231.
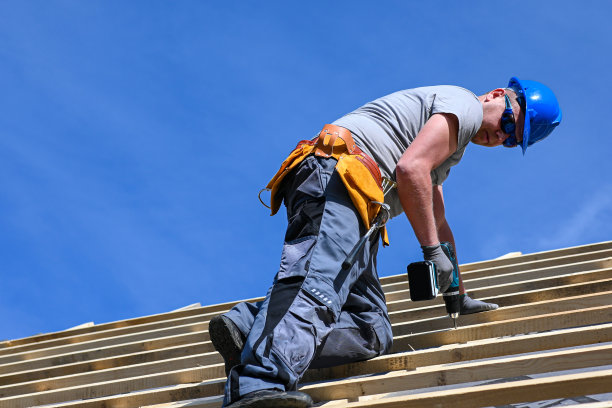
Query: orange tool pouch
column 359, row 173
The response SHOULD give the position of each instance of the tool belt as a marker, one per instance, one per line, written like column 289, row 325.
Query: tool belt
column 358, row 171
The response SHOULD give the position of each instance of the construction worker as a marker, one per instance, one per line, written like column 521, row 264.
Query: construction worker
column 317, row 312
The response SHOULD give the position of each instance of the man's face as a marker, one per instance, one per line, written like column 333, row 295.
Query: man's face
column 490, row 133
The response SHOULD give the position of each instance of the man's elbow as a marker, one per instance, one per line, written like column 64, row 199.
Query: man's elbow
column 409, row 170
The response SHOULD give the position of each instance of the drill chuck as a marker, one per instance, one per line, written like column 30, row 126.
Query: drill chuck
column 452, row 298
column 452, row 303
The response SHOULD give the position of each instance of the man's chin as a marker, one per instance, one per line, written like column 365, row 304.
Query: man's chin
column 478, row 142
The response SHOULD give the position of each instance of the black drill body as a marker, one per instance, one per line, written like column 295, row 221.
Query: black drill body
column 424, row 285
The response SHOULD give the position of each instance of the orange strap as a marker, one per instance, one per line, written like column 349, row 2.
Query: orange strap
column 358, row 171
column 327, row 142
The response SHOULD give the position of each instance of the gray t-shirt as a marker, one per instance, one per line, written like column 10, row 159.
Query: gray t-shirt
column 384, row 128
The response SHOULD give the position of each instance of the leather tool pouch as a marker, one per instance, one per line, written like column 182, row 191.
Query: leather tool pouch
column 359, row 173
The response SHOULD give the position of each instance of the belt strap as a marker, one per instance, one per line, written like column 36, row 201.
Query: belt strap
column 337, row 137
column 337, row 142
column 334, row 140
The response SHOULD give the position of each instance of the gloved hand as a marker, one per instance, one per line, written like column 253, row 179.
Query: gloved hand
column 444, row 266
column 469, row 305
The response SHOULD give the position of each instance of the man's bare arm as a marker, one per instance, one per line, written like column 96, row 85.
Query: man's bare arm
column 436, row 141
column 444, row 230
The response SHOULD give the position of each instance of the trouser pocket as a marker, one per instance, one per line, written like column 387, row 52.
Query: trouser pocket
column 305, row 206
column 295, row 257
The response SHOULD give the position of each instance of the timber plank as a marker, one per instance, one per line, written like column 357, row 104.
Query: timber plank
column 104, row 326
column 506, row 313
column 570, row 385
column 122, row 386
column 82, row 338
column 402, row 310
column 49, row 371
column 204, row 311
column 545, row 263
column 402, row 295
column 600, row 404
column 380, row 364
column 403, row 304
column 587, row 316
column 128, row 338
column 513, row 366
column 584, row 251
column 600, row 275
column 401, row 380
column 536, row 256
column 487, row 292
column 169, row 364
column 552, row 321
column 138, row 370
column 103, row 352
column 397, row 318
column 174, row 393
column 477, row 282
column 568, row 291
column 400, row 361
column 211, row 402
column 434, row 308
column 534, row 284
column 473, row 350
column 558, row 256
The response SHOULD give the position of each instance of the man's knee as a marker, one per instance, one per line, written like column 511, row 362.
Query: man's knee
column 385, row 336
column 293, row 341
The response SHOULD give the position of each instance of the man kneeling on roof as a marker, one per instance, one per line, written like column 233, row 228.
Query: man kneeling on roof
column 317, row 312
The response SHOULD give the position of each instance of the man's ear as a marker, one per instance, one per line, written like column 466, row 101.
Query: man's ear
column 496, row 93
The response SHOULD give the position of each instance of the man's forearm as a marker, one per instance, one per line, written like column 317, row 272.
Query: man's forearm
column 446, row 234
column 415, row 193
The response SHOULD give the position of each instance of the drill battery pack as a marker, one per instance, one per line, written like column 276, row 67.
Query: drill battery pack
column 422, row 280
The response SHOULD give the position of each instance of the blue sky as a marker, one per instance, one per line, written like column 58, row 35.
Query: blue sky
column 135, row 136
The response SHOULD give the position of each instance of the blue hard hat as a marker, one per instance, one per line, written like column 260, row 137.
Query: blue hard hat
column 542, row 111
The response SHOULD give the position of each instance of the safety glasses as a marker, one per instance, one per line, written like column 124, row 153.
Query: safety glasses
column 508, row 125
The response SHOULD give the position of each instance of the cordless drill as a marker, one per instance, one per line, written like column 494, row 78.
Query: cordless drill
column 451, row 296
column 423, row 282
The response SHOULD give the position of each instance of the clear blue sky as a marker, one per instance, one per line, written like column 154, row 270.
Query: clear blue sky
column 135, row 136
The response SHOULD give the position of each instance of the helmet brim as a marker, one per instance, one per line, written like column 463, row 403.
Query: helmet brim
column 515, row 84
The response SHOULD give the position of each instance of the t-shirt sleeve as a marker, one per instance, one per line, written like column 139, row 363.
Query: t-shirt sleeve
column 468, row 110
column 440, row 173
column 465, row 106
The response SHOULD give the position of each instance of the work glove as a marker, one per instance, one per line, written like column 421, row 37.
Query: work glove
column 444, row 267
column 469, row 305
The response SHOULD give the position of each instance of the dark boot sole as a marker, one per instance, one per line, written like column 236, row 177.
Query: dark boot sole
column 227, row 340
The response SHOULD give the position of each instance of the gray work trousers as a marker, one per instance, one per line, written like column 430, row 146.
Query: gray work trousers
column 316, row 313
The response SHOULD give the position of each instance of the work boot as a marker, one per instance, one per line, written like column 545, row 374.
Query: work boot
column 273, row 399
column 227, row 339
column 469, row 305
